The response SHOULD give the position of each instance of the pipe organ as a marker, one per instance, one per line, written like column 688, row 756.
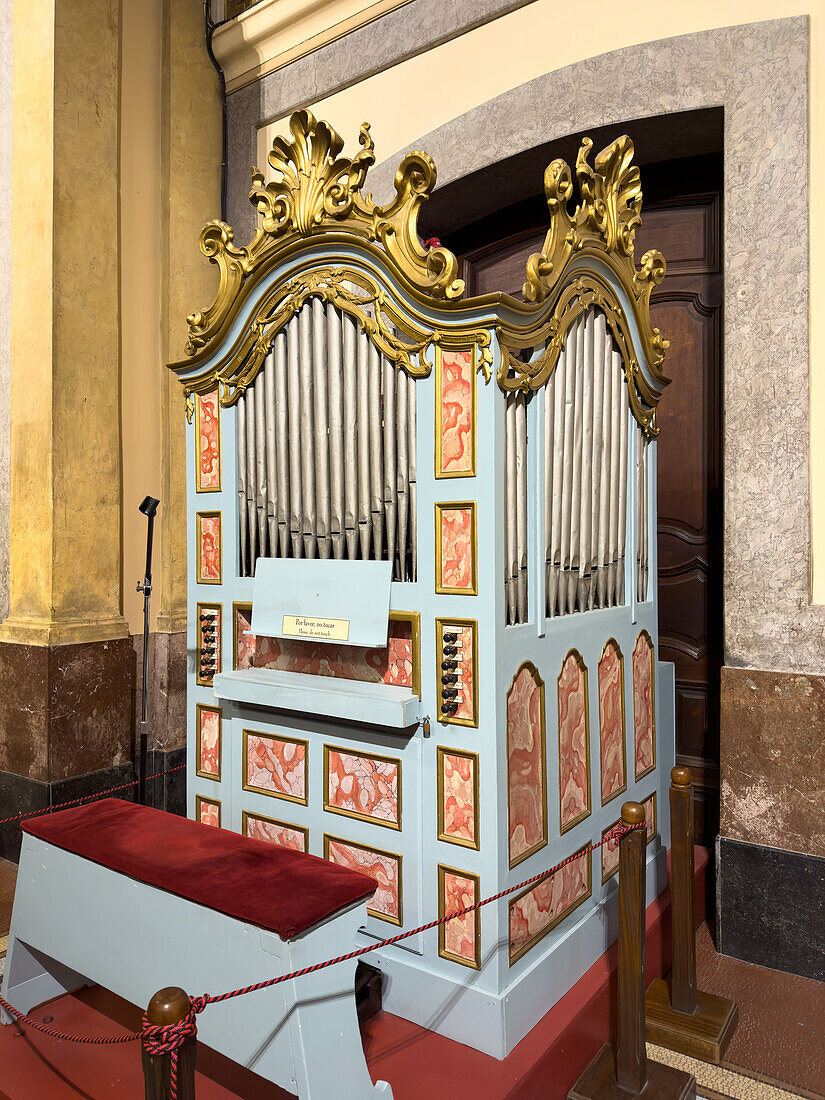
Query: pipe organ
column 422, row 562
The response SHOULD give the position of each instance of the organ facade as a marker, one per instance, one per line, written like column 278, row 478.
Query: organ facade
column 422, row 569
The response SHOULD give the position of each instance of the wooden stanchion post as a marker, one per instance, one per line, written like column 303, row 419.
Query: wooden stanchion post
column 677, row 1014
column 169, row 1006
column 624, row 1071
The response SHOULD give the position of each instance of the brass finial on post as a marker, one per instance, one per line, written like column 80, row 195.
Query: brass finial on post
column 677, row 1014
column 625, row 1072
column 169, row 1006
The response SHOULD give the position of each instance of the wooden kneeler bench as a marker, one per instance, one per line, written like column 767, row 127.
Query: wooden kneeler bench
column 133, row 899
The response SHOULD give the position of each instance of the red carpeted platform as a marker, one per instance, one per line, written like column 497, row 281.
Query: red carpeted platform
column 285, row 892
column 417, row 1063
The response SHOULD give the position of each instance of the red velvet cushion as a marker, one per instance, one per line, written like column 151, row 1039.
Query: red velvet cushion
column 285, row 892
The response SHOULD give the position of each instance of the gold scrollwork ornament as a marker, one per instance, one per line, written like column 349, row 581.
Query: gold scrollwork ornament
column 316, row 190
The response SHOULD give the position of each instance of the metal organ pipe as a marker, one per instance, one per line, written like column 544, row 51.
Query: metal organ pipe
column 326, row 448
column 586, row 412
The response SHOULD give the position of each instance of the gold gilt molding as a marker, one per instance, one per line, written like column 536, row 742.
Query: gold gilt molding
column 353, row 293
column 603, row 225
column 315, row 191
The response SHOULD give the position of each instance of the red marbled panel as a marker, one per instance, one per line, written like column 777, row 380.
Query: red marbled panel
column 458, row 809
column 390, row 665
column 208, row 426
column 456, row 412
column 611, row 721
column 459, row 934
column 363, row 785
column 457, row 549
column 574, row 787
column 209, row 562
column 275, row 765
column 209, row 742
column 610, row 855
column 649, row 805
column 209, row 813
column 644, row 734
column 384, row 868
column 272, row 833
column 539, row 909
column 525, row 764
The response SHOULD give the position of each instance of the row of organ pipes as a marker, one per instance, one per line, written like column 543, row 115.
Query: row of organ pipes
column 327, row 462
column 586, row 418
column 326, row 449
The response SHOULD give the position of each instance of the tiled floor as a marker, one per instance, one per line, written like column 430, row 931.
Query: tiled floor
column 781, row 1032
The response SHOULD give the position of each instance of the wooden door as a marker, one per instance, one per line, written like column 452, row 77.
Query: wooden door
column 687, row 309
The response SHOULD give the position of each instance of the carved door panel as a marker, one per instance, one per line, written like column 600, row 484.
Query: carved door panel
column 687, row 308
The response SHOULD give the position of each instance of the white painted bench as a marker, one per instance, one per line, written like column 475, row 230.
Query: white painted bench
column 77, row 921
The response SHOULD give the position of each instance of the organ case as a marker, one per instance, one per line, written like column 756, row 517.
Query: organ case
column 512, row 691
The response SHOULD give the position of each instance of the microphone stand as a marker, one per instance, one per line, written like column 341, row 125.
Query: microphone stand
column 148, row 507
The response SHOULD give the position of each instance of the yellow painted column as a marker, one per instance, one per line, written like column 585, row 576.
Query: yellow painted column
column 65, row 538
column 191, row 166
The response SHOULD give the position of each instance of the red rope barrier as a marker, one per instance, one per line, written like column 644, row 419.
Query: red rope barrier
column 89, row 797
column 95, row 1040
column 168, row 1038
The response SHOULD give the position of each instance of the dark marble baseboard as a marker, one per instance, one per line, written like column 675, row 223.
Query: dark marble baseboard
column 770, row 907
column 20, row 795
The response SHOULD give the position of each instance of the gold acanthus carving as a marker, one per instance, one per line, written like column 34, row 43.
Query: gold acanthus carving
column 603, row 224
column 316, row 190
column 353, row 293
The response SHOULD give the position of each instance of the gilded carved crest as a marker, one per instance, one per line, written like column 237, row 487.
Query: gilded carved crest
column 316, row 190
column 604, row 225
column 316, row 193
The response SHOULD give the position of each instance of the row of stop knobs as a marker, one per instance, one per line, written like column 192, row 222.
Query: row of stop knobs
column 209, row 645
column 451, row 679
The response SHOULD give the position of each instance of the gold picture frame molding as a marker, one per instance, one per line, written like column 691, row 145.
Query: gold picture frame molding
column 443, row 871
column 283, row 795
column 369, row 818
column 442, row 834
column 544, row 839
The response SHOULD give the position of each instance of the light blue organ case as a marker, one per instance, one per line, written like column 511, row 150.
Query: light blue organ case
column 349, row 411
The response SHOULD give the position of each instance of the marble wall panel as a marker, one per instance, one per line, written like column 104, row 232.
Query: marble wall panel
column 208, row 443
column 773, row 732
column 611, row 721
column 538, row 910
column 458, row 809
column 208, row 811
column 610, row 854
column 384, row 867
column 209, row 548
column 574, row 742
column 208, row 746
column 644, row 726
column 455, row 552
column 455, row 454
column 275, row 832
column 362, row 785
column 459, row 939
column 275, row 765
column 526, row 765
